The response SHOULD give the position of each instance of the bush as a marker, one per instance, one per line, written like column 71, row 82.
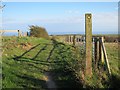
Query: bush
column 111, row 39
column 37, row 31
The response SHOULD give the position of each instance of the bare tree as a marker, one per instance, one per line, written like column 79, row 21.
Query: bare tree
column 2, row 6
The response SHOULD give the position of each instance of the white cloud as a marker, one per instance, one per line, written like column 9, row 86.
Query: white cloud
column 103, row 19
column 106, row 18
column 59, row 20
column 106, row 21
column 72, row 12
column 6, row 20
column 43, row 20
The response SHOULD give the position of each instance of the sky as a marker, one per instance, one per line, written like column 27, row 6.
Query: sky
column 61, row 17
column 60, row 0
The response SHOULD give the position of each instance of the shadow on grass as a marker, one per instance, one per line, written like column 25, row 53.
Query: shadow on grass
column 62, row 76
column 68, row 79
column 65, row 79
column 50, row 54
column 31, row 82
column 39, row 52
column 115, row 82
column 55, row 45
column 21, row 57
column 17, row 57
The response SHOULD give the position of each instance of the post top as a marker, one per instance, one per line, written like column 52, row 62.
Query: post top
column 88, row 14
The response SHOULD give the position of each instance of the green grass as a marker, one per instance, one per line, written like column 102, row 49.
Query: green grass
column 25, row 66
column 112, row 52
column 23, row 72
column 113, row 57
column 100, row 78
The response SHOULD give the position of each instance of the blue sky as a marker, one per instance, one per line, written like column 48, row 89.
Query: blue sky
column 61, row 17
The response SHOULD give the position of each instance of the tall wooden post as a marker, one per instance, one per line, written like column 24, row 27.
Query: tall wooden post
column 88, row 39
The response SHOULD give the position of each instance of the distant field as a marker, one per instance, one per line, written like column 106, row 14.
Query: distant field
column 27, row 69
column 107, row 37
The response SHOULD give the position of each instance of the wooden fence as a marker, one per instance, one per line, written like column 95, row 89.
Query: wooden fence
column 100, row 53
column 17, row 31
column 94, row 46
column 97, row 49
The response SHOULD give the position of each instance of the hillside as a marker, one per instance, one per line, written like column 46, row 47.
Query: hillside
column 29, row 62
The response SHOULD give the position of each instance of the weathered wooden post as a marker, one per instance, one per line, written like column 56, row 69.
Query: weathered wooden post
column 100, row 49
column 69, row 39
column 105, row 56
column 74, row 40
column 101, row 56
column 96, row 51
column 88, row 39
column 77, row 38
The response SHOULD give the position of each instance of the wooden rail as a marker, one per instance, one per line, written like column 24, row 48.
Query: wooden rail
column 100, row 53
column 8, row 31
column 18, row 31
column 105, row 56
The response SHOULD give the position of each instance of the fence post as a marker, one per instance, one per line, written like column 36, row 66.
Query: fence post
column 96, row 51
column 101, row 58
column 69, row 39
column 105, row 55
column 100, row 50
column 88, row 39
column 74, row 40
column 18, row 33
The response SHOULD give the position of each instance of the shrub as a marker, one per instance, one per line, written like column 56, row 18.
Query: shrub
column 37, row 31
column 111, row 39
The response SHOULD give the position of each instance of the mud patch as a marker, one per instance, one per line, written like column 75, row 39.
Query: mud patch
column 49, row 81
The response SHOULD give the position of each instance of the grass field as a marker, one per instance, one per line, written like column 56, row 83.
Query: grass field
column 23, row 72
column 26, row 67
column 114, row 60
column 26, row 60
